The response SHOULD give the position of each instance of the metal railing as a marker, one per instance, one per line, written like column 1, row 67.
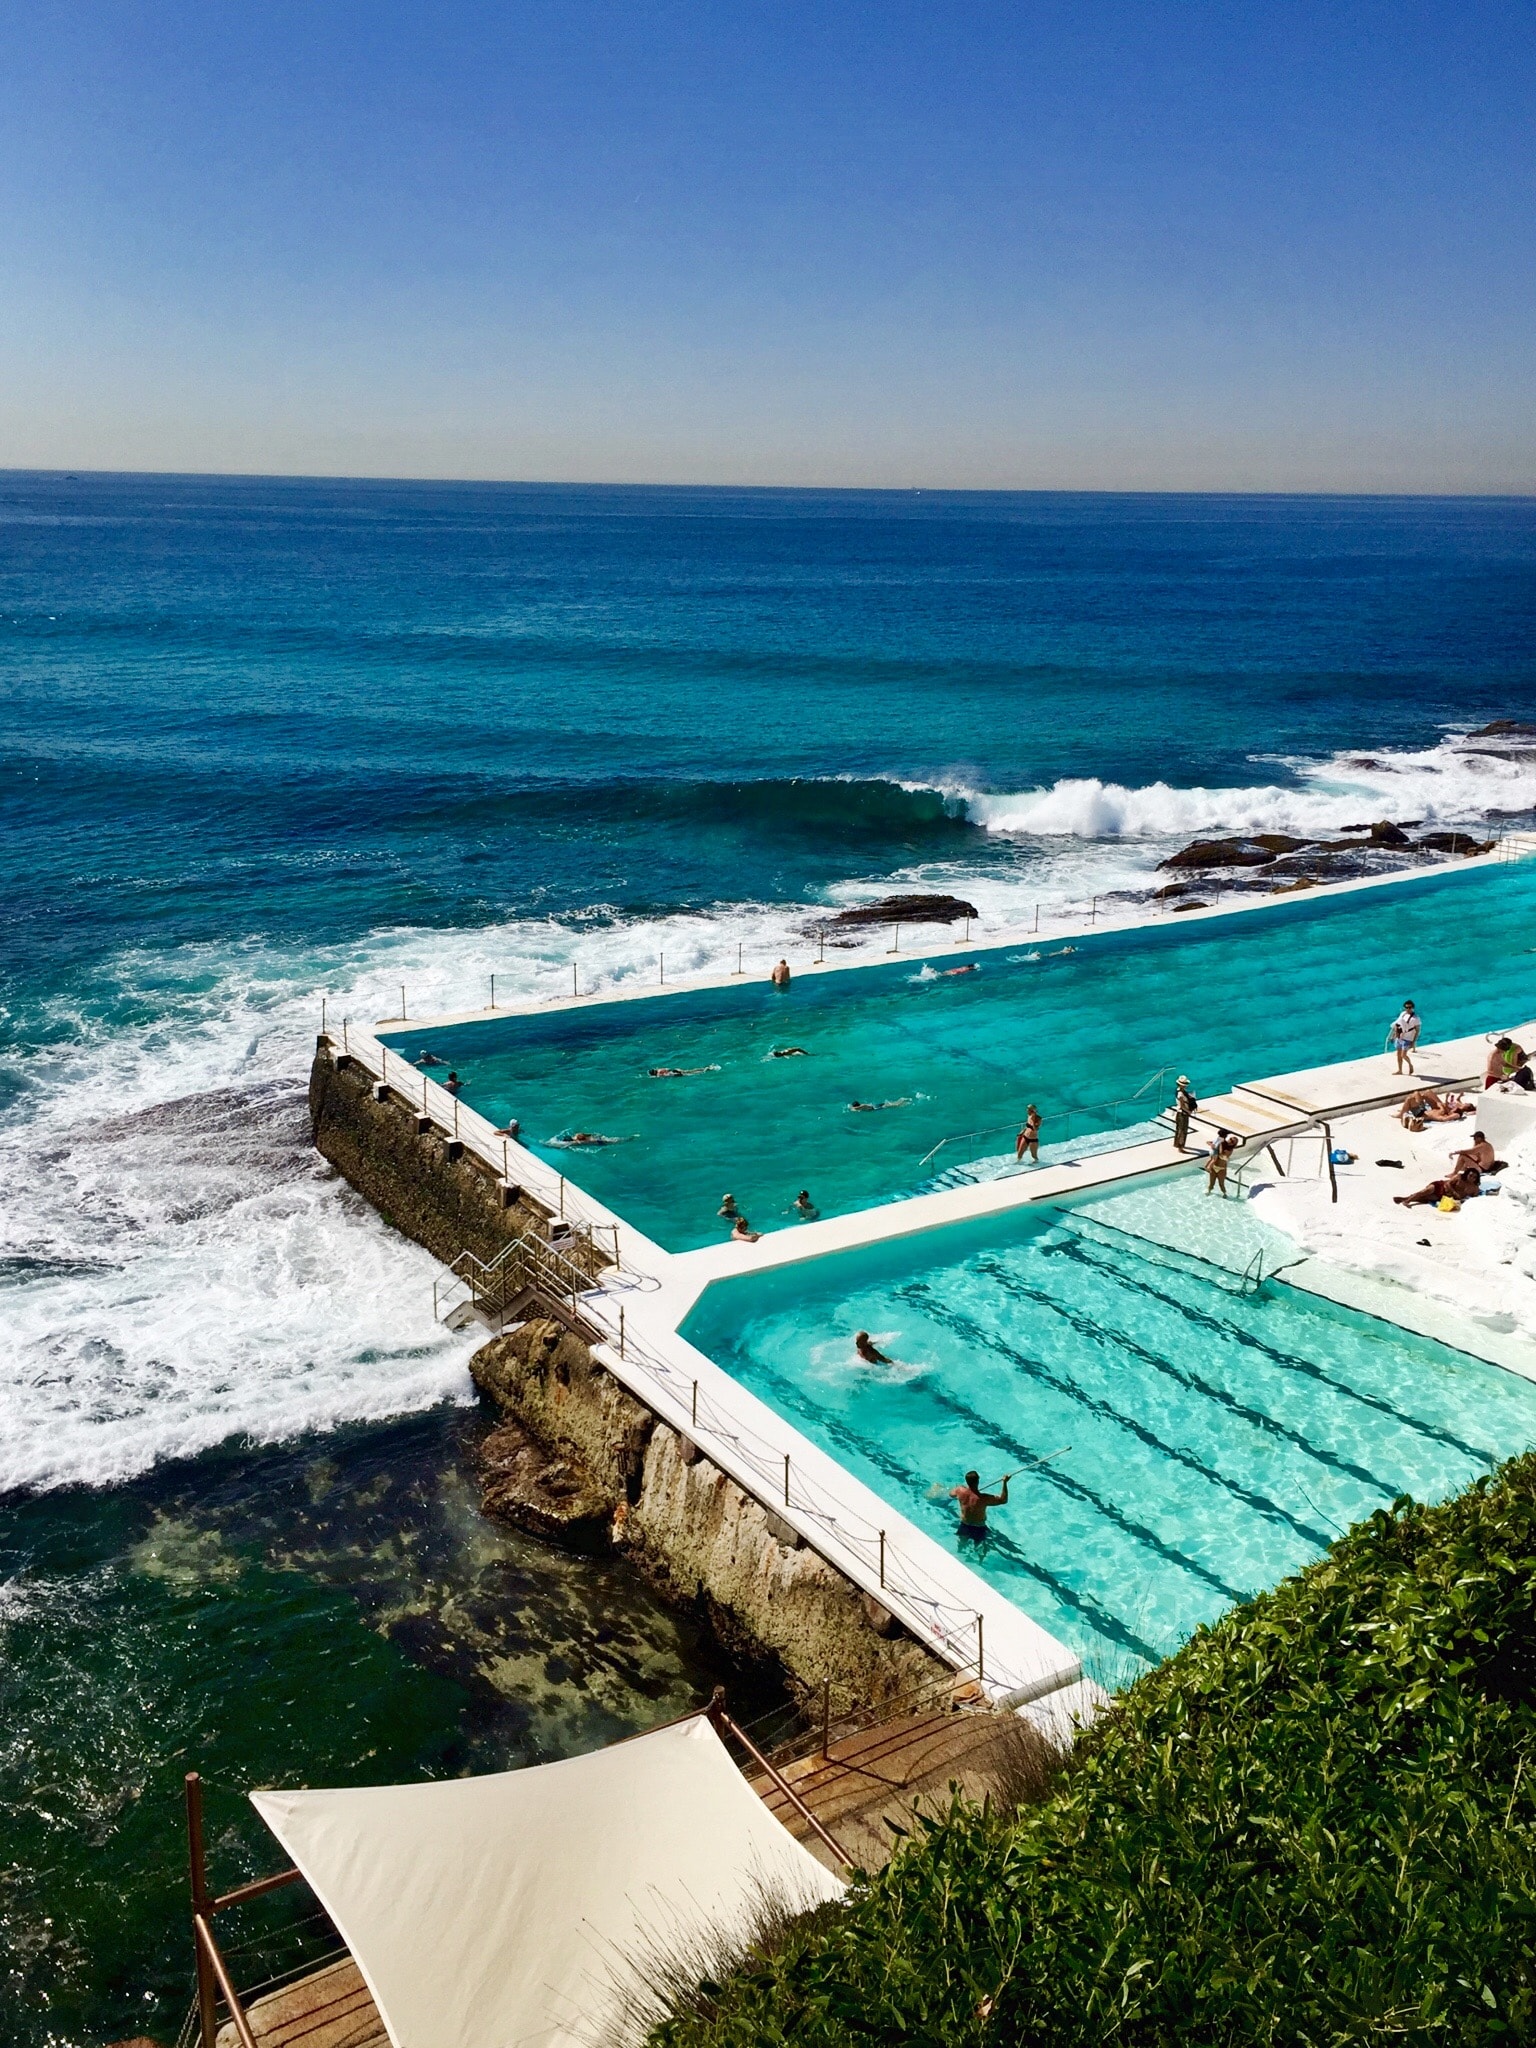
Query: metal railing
column 1155, row 1081
column 871, row 1555
column 492, row 1287
column 539, row 1185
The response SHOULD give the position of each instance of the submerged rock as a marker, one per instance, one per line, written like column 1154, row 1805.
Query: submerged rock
column 901, row 910
column 548, row 1493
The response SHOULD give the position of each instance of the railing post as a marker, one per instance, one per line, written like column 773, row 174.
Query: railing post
column 882, row 1559
column 1333, row 1178
column 786, row 1479
column 826, row 1712
column 738, row 956
column 573, row 977
column 493, row 991
column 344, row 1045
column 661, row 961
column 402, row 1002
column 207, row 1991
column 621, row 1329
column 694, row 1412
column 981, row 1656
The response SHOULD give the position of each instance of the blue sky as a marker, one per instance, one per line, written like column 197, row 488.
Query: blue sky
column 1141, row 246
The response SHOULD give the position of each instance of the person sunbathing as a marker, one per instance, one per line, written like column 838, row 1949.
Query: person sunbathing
column 1418, row 1107
column 1460, row 1187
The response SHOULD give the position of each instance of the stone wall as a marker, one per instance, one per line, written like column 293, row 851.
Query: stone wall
column 699, row 1537
column 449, row 1205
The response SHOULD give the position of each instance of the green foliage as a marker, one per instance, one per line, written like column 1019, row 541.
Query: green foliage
column 1316, row 1824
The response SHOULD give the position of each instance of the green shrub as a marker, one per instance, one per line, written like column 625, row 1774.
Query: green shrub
column 1315, row 1824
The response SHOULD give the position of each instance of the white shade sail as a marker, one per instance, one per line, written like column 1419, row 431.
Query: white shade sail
column 497, row 1911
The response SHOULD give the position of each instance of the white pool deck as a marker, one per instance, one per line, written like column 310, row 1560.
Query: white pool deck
column 642, row 1304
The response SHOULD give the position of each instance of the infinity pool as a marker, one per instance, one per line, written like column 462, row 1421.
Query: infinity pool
column 1199, row 1443
column 1290, row 985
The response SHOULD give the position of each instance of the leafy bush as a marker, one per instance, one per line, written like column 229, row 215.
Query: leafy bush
column 1315, row 1824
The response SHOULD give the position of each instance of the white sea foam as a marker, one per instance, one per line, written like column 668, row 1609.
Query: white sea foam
column 178, row 1267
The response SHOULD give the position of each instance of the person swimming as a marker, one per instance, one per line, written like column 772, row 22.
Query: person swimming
column 868, row 1350
column 805, row 1208
column 585, row 1138
column 453, row 1084
column 727, row 1206
column 898, row 1102
column 789, row 1052
column 428, row 1059
column 972, row 969
column 677, row 1073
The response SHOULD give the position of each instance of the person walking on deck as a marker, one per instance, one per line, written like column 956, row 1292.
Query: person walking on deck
column 1405, row 1036
column 1185, row 1103
column 1029, row 1136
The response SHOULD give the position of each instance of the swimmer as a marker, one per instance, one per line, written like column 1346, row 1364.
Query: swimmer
column 677, row 1073
column 743, row 1233
column 428, row 1059
column 897, row 1102
column 972, row 969
column 805, row 1208
column 868, row 1350
column 789, row 1052
column 586, row 1138
column 453, row 1084
column 780, row 975
column 727, row 1206
column 510, row 1128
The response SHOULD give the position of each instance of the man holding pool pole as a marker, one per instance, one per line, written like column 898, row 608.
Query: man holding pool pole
column 974, row 1503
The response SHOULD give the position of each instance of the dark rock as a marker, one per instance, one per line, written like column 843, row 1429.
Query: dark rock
column 1505, row 728
column 1385, row 833
column 902, row 910
column 546, row 1492
column 1455, row 842
column 1220, row 853
column 1189, row 906
column 1362, row 761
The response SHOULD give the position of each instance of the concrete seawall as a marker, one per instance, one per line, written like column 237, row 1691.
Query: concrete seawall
column 448, row 1204
column 584, row 1457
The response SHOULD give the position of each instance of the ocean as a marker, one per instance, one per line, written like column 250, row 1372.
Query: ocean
column 268, row 742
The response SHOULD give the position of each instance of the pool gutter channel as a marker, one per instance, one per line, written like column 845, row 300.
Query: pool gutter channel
column 642, row 1302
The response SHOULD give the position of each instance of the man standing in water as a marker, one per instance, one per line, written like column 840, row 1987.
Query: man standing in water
column 780, row 975
column 974, row 1504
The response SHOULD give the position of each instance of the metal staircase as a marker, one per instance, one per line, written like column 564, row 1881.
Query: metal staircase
column 527, row 1277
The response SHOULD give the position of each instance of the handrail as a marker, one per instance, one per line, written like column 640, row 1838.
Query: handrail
column 1079, row 1109
column 928, row 1609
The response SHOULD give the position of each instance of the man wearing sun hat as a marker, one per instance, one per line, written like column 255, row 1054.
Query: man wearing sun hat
column 1184, row 1103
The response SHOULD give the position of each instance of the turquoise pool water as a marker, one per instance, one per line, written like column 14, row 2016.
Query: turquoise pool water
column 1202, row 1443
column 1289, row 986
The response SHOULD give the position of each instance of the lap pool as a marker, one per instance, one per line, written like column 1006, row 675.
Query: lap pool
column 1202, row 1442
column 1290, row 985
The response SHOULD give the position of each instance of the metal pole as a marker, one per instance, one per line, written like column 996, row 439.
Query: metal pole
column 455, row 1116
column 1037, row 917
column 882, row 1559
column 967, row 939
column 207, row 2012
column 826, row 1712
column 821, row 946
column 323, row 1028
column 662, row 960
column 423, row 1094
column 506, row 1173
column 1333, row 1178
column 896, row 940
column 573, row 978
column 493, row 991
column 344, row 1034
column 621, row 1329
column 695, row 1413
column 402, row 1002
column 562, row 1194
column 981, row 1655
column 1093, row 914
column 738, row 956
column 786, row 1479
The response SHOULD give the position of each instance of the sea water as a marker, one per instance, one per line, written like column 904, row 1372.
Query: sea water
column 267, row 742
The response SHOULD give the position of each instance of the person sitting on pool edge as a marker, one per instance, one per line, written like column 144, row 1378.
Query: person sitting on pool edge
column 974, row 1504
column 867, row 1349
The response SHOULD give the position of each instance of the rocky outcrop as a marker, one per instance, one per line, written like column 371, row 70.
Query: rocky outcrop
column 523, row 1482
column 899, row 910
column 701, row 1539
column 448, row 1204
column 1272, row 861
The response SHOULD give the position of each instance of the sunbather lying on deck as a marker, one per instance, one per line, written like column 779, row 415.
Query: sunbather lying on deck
column 1460, row 1187
column 1425, row 1106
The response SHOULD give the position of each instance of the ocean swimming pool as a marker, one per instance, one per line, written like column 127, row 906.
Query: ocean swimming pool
column 1195, row 1442
column 1291, row 985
